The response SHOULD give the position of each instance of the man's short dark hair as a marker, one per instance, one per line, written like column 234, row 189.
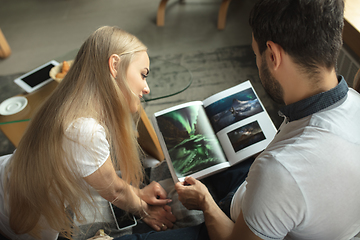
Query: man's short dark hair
column 310, row 31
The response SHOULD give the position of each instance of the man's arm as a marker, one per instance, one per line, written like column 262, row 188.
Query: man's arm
column 219, row 226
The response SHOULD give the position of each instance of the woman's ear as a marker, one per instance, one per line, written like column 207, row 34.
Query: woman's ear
column 114, row 61
column 274, row 54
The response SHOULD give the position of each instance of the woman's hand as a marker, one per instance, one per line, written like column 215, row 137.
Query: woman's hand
column 159, row 215
column 149, row 202
column 154, row 194
column 160, row 218
column 192, row 194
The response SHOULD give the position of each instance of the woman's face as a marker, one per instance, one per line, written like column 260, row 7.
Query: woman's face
column 136, row 78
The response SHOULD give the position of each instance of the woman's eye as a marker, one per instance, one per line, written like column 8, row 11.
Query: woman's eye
column 144, row 76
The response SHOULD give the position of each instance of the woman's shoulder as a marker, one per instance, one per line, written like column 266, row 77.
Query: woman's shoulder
column 84, row 121
column 84, row 126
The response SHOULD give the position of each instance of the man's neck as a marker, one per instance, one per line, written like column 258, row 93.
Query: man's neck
column 298, row 86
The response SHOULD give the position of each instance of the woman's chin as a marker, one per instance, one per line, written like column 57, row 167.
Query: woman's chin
column 135, row 107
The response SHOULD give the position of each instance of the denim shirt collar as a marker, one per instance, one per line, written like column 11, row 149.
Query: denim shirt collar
column 316, row 103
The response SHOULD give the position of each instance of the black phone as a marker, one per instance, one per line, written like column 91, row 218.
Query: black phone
column 122, row 218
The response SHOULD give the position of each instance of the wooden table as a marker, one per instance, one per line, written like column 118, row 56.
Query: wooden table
column 351, row 34
column 162, row 73
column 14, row 126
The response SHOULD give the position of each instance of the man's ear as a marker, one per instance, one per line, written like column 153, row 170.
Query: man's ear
column 114, row 62
column 274, row 55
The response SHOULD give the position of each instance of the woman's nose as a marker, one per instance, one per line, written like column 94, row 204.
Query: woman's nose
column 146, row 89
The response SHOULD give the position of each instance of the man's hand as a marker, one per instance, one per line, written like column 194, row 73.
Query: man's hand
column 154, row 194
column 193, row 194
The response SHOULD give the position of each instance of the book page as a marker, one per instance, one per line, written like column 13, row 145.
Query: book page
column 188, row 141
column 240, row 121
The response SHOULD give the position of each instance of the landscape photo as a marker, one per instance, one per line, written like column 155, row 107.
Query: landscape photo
column 245, row 136
column 233, row 108
column 190, row 140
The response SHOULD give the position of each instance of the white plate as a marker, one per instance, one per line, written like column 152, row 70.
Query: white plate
column 13, row 105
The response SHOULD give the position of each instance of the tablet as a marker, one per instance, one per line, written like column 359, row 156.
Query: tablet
column 36, row 78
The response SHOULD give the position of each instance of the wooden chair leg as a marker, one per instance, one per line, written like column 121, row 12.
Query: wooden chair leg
column 5, row 50
column 222, row 14
column 148, row 139
column 160, row 19
column 356, row 83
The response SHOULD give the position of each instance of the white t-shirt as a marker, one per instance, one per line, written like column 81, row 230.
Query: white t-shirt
column 305, row 185
column 86, row 141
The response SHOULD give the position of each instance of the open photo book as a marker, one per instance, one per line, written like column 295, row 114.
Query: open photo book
column 201, row 138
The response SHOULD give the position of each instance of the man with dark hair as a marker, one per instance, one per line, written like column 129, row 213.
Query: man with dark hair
column 304, row 185
column 309, row 31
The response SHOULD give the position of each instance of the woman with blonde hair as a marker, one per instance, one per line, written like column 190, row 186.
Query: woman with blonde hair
column 78, row 138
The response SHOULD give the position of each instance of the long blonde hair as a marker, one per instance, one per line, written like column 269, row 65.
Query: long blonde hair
column 43, row 180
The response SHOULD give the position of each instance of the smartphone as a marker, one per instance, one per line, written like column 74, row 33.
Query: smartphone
column 122, row 218
column 36, row 78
